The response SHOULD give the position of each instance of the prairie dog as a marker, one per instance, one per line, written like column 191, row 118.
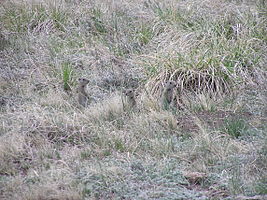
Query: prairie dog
column 129, row 98
column 167, row 94
column 83, row 97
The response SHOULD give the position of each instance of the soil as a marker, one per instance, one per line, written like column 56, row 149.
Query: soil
column 211, row 120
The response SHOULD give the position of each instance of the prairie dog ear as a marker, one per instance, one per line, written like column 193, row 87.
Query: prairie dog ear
column 174, row 83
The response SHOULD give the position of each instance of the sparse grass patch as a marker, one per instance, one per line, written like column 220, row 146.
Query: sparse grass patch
column 201, row 102
column 235, row 127
column 13, row 155
column 111, row 110
column 261, row 187
column 67, row 75
column 145, row 34
column 111, row 180
column 23, row 18
column 98, row 26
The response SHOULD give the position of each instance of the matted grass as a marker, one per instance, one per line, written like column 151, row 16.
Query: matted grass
column 211, row 144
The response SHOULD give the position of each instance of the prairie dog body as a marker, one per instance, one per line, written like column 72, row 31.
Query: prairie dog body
column 129, row 98
column 83, row 97
column 167, row 94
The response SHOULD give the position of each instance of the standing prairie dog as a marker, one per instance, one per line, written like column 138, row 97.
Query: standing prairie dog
column 129, row 99
column 167, row 94
column 83, row 97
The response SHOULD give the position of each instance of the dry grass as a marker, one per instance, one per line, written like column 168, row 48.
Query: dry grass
column 210, row 144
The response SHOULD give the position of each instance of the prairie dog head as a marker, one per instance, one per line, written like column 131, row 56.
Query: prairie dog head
column 169, row 85
column 83, row 81
column 129, row 93
column 129, row 98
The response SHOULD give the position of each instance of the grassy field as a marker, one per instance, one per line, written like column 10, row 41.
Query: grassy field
column 210, row 144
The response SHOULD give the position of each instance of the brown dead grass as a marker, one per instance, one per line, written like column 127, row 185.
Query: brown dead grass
column 52, row 149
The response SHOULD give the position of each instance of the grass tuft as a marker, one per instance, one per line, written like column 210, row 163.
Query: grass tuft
column 235, row 127
column 67, row 75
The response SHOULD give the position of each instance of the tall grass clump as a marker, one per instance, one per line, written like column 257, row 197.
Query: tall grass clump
column 216, row 52
column 24, row 18
column 67, row 75
column 235, row 127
